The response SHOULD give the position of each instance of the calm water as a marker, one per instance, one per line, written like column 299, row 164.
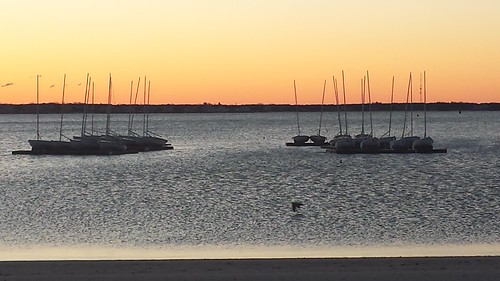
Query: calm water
column 230, row 181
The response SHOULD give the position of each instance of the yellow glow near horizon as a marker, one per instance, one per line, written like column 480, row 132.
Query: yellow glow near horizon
column 247, row 52
column 243, row 252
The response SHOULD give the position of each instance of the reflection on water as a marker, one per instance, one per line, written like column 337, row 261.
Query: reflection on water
column 229, row 184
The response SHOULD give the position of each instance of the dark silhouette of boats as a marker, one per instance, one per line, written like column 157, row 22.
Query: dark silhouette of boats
column 148, row 141
column 83, row 145
column 408, row 143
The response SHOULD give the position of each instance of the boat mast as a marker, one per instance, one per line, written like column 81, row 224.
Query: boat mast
column 425, row 109
column 147, row 113
column 345, row 106
column 37, row 107
column 62, row 108
column 85, row 105
column 406, row 106
column 129, row 128
column 135, row 104
column 390, row 108
column 296, row 106
column 337, row 100
column 92, row 112
column 369, row 103
column 108, row 113
column 363, row 106
column 411, row 110
column 144, row 109
column 321, row 109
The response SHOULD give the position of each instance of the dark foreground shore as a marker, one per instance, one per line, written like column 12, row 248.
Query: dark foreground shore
column 408, row 269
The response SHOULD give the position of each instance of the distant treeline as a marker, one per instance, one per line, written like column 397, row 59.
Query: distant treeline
column 221, row 108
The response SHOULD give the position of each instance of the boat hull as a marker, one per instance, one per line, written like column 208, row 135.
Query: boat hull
column 370, row 144
column 300, row 139
column 318, row 139
column 424, row 145
column 345, row 145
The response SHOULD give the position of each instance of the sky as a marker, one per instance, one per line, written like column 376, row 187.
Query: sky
column 249, row 51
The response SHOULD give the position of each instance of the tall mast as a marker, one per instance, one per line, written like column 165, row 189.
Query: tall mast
column 337, row 100
column 87, row 100
column 411, row 109
column 144, row 109
column 390, row 108
column 85, row 105
column 147, row 113
column 135, row 104
column 425, row 109
column 62, row 108
column 321, row 109
column 108, row 113
column 369, row 103
column 406, row 106
column 296, row 106
column 129, row 126
column 345, row 106
column 92, row 112
column 37, row 107
column 363, row 106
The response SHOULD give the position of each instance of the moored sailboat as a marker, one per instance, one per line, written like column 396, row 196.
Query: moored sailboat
column 344, row 143
column 319, row 139
column 406, row 141
column 386, row 139
column 298, row 139
column 370, row 143
column 424, row 145
column 48, row 146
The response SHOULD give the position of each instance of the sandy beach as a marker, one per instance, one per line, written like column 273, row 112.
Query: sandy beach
column 408, row 269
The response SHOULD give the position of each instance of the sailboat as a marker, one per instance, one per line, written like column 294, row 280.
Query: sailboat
column 385, row 139
column 370, row 143
column 148, row 141
column 298, row 139
column 106, row 144
column 426, row 143
column 405, row 142
column 48, row 146
column 344, row 143
column 319, row 139
column 340, row 133
column 362, row 136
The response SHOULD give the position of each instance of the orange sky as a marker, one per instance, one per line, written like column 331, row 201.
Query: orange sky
column 249, row 51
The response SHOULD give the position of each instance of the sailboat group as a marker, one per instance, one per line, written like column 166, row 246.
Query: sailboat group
column 408, row 141
column 303, row 140
column 366, row 141
column 425, row 144
column 93, row 143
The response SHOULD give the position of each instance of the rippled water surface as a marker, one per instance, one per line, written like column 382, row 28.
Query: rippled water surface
column 230, row 182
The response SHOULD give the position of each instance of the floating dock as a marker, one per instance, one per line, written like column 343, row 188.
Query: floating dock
column 305, row 144
column 74, row 152
column 386, row 151
column 88, row 151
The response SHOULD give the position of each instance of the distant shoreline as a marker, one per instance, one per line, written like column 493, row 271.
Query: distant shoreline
column 51, row 108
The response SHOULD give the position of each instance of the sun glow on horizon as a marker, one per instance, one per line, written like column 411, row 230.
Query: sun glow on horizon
column 249, row 52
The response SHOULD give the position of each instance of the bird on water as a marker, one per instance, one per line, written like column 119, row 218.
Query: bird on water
column 296, row 205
